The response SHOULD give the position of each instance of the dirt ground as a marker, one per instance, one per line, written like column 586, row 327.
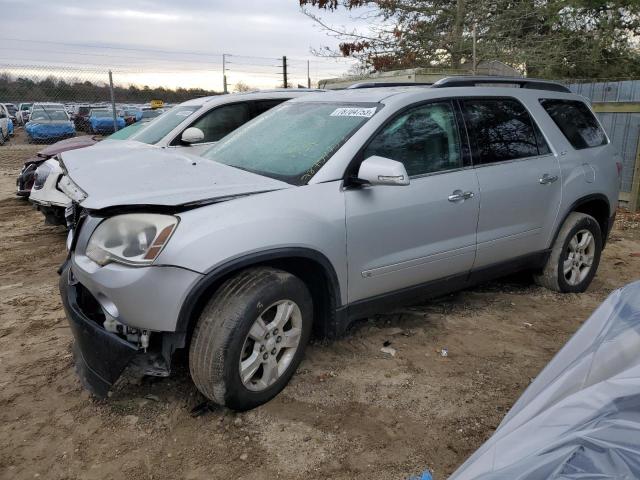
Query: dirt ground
column 350, row 412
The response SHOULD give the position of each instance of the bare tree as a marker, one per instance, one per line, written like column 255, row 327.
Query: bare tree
column 240, row 87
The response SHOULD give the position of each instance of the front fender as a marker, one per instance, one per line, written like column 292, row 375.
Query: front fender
column 310, row 218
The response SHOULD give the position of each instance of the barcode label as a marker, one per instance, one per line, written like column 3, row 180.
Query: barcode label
column 353, row 112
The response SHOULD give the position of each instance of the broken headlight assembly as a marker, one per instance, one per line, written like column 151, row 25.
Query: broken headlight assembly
column 132, row 239
column 42, row 173
column 70, row 189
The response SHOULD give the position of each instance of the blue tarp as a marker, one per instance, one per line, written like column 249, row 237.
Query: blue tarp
column 49, row 131
column 580, row 418
column 10, row 127
column 105, row 124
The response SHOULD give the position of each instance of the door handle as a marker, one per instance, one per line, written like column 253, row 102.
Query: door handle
column 546, row 178
column 460, row 196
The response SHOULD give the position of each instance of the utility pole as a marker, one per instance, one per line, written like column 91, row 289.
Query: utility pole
column 113, row 103
column 284, row 71
column 308, row 76
column 475, row 64
column 224, row 73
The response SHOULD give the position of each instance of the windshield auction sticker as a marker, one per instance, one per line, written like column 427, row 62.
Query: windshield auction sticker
column 353, row 112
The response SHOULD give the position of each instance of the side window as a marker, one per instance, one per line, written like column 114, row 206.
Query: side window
column 221, row 121
column 425, row 139
column 262, row 106
column 502, row 130
column 576, row 122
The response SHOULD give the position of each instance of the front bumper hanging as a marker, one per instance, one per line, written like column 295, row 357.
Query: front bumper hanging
column 100, row 356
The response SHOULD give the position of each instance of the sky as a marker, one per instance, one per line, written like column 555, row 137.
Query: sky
column 170, row 43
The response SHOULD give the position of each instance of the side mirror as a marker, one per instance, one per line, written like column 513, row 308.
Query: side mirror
column 192, row 135
column 382, row 171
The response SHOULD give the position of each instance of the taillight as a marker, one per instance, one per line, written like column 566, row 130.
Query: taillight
column 619, row 168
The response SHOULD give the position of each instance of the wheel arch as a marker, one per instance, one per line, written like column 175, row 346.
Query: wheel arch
column 597, row 205
column 311, row 266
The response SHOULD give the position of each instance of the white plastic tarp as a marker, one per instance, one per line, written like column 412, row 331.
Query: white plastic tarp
column 580, row 418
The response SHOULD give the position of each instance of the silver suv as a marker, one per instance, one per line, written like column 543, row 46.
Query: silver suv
column 325, row 209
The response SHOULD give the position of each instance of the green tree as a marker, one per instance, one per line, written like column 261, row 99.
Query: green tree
column 552, row 38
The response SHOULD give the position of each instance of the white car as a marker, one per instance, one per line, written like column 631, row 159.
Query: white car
column 4, row 124
column 23, row 113
column 195, row 125
column 46, row 195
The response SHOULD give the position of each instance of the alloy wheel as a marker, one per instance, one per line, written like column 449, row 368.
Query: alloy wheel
column 579, row 257
column 270, row 345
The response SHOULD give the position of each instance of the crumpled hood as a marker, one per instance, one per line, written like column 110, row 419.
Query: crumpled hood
column 118, row 173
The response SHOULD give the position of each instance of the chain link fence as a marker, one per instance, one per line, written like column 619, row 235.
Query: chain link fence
column 44, row 104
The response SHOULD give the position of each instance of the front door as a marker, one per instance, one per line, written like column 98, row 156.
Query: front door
column 519, row 179
column 401, row 236
column 217, row 123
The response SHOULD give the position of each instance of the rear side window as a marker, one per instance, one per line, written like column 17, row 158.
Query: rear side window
column 502, row 130
column 576, row 122
column 263, row 105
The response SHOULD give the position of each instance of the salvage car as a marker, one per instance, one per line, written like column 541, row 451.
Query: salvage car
column 22, row 115
column 81, row 116
column 4, row 124
column 13, row 110
column 25, row 180
column 45, row 174
column 195, row 124
column 322, row 211
column 49, row 122
column 101, row 121
column 131, row 115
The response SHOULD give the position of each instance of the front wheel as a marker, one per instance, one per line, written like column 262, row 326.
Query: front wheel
column 574, row 257
column 251, row 337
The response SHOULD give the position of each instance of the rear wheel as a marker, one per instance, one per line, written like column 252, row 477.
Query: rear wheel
column 575, row 255
column 251, row 337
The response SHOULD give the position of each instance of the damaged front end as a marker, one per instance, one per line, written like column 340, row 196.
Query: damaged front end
column 104, row 347
column 27, row 176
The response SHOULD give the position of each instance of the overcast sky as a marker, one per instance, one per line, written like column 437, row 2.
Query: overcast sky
column 121, row 33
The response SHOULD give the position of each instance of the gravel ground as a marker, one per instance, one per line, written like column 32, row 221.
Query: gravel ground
column 351, row 411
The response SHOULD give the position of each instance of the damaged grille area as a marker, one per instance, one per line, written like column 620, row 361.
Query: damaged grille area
column 89, row 305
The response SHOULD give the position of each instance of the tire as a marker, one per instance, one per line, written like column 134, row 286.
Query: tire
column 221, row 337
column 554, row 276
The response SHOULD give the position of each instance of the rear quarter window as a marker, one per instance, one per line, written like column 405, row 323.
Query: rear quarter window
column 576, row 121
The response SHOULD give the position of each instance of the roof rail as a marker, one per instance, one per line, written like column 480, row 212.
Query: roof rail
column 473, row 81
column 387, row 84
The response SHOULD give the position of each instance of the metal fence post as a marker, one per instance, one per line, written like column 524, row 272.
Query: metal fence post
column 224, row 73
column 284, row 72
column 113, row 102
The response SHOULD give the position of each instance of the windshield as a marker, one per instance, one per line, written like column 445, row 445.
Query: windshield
column 152, row 113
column 100, row 113
column 25, row 106
column 291, row 142
column 12, row 108
column 46, row 113
column 156, row 130
column 125, row 133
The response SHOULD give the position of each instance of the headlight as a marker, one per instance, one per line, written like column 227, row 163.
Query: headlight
column 134, row 238
column 42, row 172
column 71, row 190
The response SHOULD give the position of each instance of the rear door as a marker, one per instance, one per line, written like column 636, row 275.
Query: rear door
column 402, row 236
column 519, row 179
